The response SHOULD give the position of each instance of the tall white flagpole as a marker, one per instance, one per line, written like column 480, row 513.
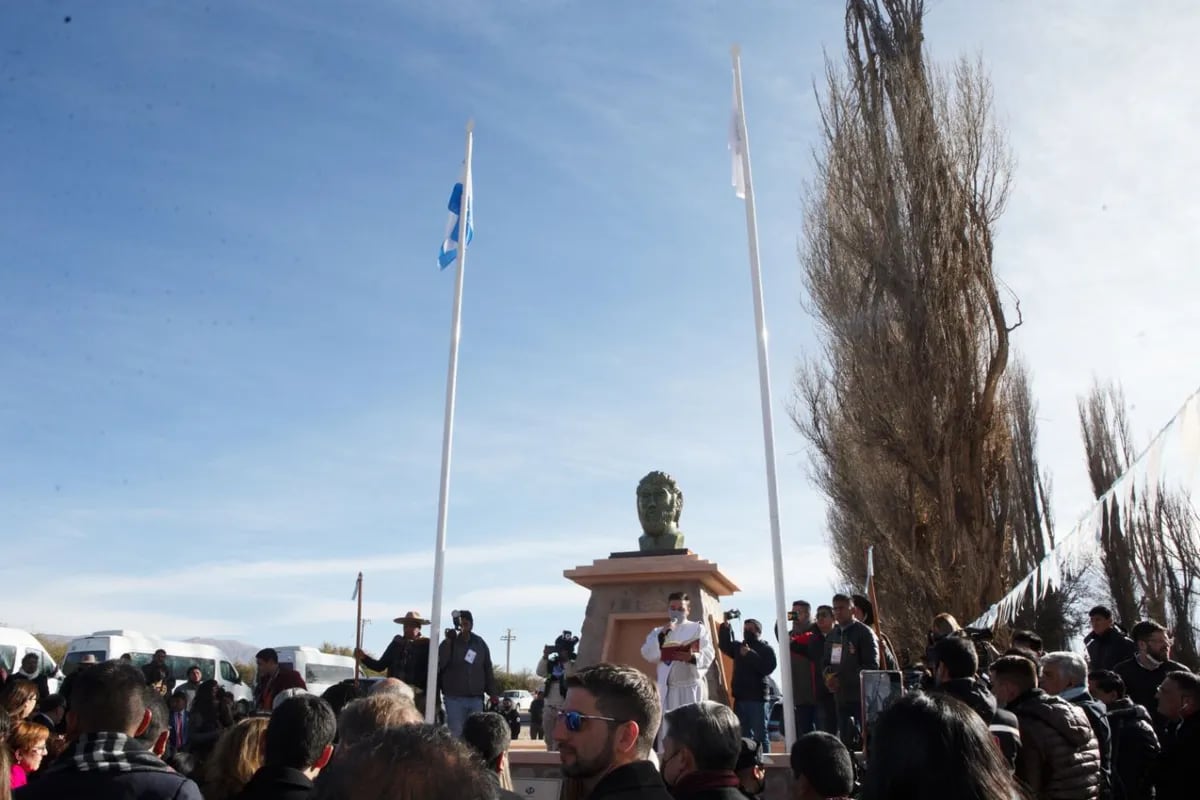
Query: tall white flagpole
column 768, row 424
column 439, row 552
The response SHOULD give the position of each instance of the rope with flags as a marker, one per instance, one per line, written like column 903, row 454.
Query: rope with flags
column 1178, row 441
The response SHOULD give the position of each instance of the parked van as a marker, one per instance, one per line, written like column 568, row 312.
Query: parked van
column 320, row 670
column 16, row 643
column 181, row 656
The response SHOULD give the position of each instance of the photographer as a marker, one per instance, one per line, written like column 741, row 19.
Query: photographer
column 556, row 665
column 753, row 661
column 464, row 672
column 683, row 652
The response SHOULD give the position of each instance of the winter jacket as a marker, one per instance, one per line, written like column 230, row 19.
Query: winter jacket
column 750, row 671
column 1175, row 776
column 1096, row 718
column 805, row 672
column 277, row 783
column 1002, row 724
column 1142, row 685
column 1060, row 758
column 637, row 781
column 849, row 649
column 1109, row 649
column 1134, row 749
column 406, row 659
column 465, row 667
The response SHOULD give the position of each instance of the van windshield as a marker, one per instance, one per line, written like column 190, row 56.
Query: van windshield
column 326, row 673
column 179, row 666
column 72, row 659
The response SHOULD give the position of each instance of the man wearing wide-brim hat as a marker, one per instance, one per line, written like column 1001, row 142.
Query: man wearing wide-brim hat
column 407, row 657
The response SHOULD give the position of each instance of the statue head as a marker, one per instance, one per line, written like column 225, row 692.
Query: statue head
column 659, row 504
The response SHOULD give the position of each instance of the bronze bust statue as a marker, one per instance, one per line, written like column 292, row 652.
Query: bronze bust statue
column 659, row 504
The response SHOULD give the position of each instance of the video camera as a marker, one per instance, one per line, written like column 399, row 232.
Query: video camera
column 456, row 618
column 732, row 613
column 566, row 641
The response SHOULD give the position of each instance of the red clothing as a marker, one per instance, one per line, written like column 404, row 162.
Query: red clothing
column 19, row 776
column 282, row 679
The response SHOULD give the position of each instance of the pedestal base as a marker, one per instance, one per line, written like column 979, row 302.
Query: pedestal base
column 629, row 597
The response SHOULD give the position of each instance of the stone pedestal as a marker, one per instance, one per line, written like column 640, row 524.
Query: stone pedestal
column 629, row 597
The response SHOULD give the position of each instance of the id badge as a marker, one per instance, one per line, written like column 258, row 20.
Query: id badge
column 469, row 657
column 835, row 655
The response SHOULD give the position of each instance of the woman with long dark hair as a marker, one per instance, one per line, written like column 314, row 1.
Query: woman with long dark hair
column 930, row 745
column 208, row 719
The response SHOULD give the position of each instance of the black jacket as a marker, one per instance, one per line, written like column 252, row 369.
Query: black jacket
column 405, row 659
column 1134, row 749
column 277, row 783
column 750, row 671
column 637, row 781
column 1002, row 724
column 1097, row 718
column 1105, row 652
column 854, row 648
column 1142, row 685
column 1176, row 773
column 135, row 785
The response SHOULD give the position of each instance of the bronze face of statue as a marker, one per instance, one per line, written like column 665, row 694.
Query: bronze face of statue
column 659, row 504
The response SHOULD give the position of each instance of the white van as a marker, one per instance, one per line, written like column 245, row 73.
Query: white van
column 181, row 656
column 320, row 670
column 16, row 643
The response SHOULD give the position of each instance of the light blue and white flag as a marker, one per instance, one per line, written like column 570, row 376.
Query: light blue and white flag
column 460, row 196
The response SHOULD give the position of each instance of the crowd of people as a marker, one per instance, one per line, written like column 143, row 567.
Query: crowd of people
column 1118, row 724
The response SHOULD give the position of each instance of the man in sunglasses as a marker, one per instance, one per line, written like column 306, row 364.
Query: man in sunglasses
column 605, row 731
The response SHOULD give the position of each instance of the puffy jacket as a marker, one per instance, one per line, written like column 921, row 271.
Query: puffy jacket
column 1002, row 724
column 1060, row 757
column 1097, row 719
column 1134, row 749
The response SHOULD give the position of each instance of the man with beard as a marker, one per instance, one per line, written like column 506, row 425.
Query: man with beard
column 605, row 731
column 659, row 504
column 1146, row 671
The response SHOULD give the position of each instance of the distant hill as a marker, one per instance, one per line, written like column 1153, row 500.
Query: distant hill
column 240, row 652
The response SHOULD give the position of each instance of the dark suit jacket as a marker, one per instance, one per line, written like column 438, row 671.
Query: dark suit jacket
column 277, row 783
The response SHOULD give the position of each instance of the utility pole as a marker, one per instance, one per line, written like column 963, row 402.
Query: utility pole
column 508, row 638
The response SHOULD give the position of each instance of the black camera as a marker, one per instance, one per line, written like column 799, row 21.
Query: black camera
column 979, row 634
column 732, row 613
column 565, row 642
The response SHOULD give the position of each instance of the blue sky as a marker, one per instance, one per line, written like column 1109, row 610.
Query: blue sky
column 225, row 337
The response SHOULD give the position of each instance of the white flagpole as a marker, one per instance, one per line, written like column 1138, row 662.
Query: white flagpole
column 768, row 424
column 439, row 552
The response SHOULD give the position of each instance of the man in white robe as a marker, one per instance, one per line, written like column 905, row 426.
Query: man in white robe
column 683, row 651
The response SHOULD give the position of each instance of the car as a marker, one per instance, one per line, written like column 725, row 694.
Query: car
column 521, row 698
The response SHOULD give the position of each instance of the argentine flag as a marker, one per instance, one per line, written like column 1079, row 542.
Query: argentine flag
column 460, row 196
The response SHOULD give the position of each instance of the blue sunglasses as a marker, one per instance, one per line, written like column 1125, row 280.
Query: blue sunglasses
column 574, row 720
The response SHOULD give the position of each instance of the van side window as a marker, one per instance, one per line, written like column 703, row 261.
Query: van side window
column 229, row 672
